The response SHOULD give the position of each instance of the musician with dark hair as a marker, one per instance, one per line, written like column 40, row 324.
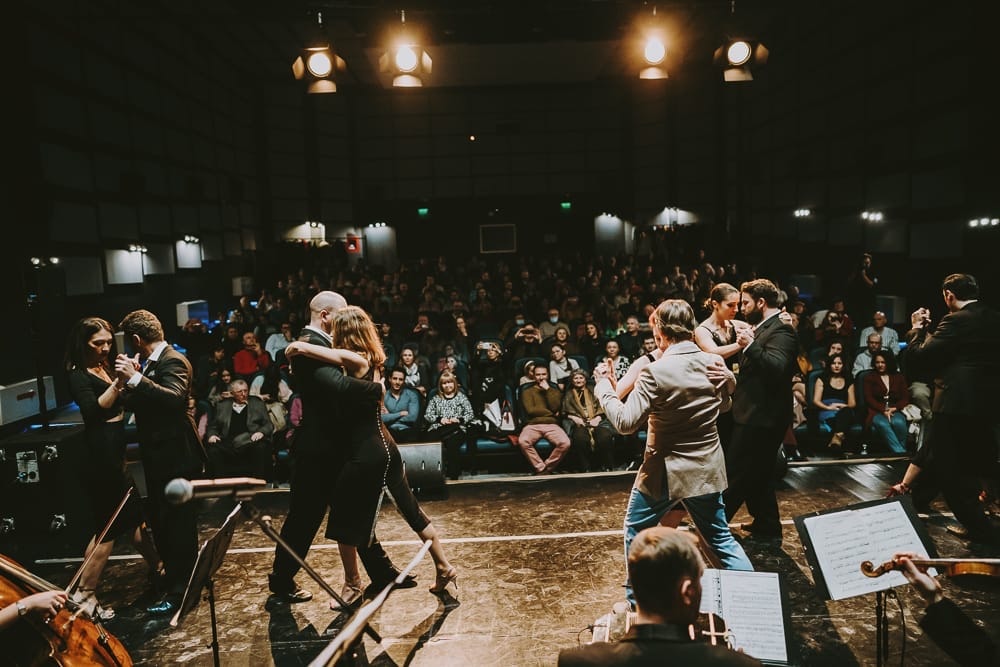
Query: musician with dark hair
column 665, row 570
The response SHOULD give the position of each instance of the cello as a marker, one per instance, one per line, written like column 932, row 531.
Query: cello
column 68, row 639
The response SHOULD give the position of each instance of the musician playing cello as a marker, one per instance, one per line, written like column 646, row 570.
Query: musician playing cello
column 45, row 602
column 665, row 569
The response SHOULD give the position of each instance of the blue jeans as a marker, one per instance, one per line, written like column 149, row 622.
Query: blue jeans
column 894, row 433
column 708, row 514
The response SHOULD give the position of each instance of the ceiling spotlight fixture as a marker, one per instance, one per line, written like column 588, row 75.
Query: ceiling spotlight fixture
column 318, row 64
column 136, row 247
column 654, row 49
column 872, row 216
column 188, row 238
column 405, row 59
column 984, row 222
column 739, row 55
column 802, row 213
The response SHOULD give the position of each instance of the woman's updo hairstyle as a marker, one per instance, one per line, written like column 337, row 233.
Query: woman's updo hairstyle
column 674, row 318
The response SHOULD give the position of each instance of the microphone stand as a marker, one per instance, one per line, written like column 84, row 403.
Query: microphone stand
column 264, row 521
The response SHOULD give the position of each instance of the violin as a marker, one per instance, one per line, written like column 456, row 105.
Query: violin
column 953, row 567
column 69, row 639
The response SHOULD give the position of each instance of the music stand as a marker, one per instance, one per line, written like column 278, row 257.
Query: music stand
column 347, row 639
column 210, row 558
column 837, row 541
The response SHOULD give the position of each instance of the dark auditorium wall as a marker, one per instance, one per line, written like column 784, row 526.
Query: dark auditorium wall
column 144, row 123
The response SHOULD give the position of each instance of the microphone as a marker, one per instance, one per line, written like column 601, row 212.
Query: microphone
column 179, row 491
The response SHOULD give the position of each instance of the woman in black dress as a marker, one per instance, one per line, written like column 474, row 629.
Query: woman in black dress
column 373, row 463
column 717, row 334
column 90, row 351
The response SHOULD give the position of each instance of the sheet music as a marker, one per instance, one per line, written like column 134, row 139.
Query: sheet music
column 843, row 540
column 750, row 605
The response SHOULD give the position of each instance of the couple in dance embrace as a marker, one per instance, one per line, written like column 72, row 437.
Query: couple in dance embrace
column 345, row 458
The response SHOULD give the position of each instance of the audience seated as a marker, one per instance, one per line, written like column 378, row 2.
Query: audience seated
column 890, row 337
column 886, row 394
column 560, row 366
column 592, row 436
column 252, row 359
column 401, row 408
column 238, row 437
column 630, row 341
column 863, row 360
column 833, row 396
column 541, row 403
column 449, row 417
column 415, row 370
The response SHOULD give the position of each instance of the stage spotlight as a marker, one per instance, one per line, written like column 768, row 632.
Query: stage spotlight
column 406, row 59
column 651, row 42
column 655, row 51
column 318, row 64
column 738, row 57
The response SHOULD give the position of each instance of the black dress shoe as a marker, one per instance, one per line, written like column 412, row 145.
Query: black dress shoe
column 288, row 590
column 375, row 587
column 770, row 532
column 167, row 605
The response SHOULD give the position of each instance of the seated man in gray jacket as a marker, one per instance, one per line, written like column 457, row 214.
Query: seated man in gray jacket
column 238, row 437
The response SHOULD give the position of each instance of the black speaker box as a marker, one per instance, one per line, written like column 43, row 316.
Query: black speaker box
column 42, row 499
column 422, row 462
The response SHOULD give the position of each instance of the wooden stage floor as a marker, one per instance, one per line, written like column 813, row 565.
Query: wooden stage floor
column 540, row 560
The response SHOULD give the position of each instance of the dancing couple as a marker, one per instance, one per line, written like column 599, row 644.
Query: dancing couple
column 337, row 364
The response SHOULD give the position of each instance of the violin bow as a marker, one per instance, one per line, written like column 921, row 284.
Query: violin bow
column 100, row 538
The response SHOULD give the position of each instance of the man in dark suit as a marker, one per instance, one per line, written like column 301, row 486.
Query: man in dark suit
column 319, row 454
column 665, row 570
column 238, row 437
column 168, row 443
column 961, row 355
column 762, row 408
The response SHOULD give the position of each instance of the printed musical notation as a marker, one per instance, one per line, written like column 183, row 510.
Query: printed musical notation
column 843, row 540
column 750, row 604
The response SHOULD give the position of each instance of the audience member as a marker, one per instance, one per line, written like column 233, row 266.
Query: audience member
column 238, row 437
column 833, row 398
column 863, row 360
column 542, row 403
column 592, row 436
column 449, row 416
column 890, row 338
column 886, row 394
column 252, row 359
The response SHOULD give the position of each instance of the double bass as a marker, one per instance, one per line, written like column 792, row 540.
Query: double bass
column 68, row 639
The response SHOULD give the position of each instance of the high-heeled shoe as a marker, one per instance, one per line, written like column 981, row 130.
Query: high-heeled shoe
column 442, row 580
column 351, row 594
column 88, row 602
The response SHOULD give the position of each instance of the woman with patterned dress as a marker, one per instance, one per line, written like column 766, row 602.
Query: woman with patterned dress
column 448, row 416
column 373, row 463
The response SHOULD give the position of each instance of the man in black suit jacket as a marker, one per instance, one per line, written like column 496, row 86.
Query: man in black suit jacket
column 961, row 355
column 665, row 570
column 238, row 437
column 319, row 454
column 168, row 443
column 762, row 407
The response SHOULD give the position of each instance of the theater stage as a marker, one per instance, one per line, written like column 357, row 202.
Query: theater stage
column 540, row 560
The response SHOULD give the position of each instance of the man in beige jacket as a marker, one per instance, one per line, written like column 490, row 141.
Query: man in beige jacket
column 681, row 393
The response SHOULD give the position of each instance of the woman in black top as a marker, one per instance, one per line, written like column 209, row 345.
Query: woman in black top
column 717, row 334
column 90, row 351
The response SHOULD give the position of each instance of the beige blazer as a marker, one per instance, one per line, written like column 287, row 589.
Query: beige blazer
column 683, row 456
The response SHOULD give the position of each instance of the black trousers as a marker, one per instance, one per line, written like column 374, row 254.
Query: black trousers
column 750, row 469
column 175, row 531
column 309, row 500
column 963, row 455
